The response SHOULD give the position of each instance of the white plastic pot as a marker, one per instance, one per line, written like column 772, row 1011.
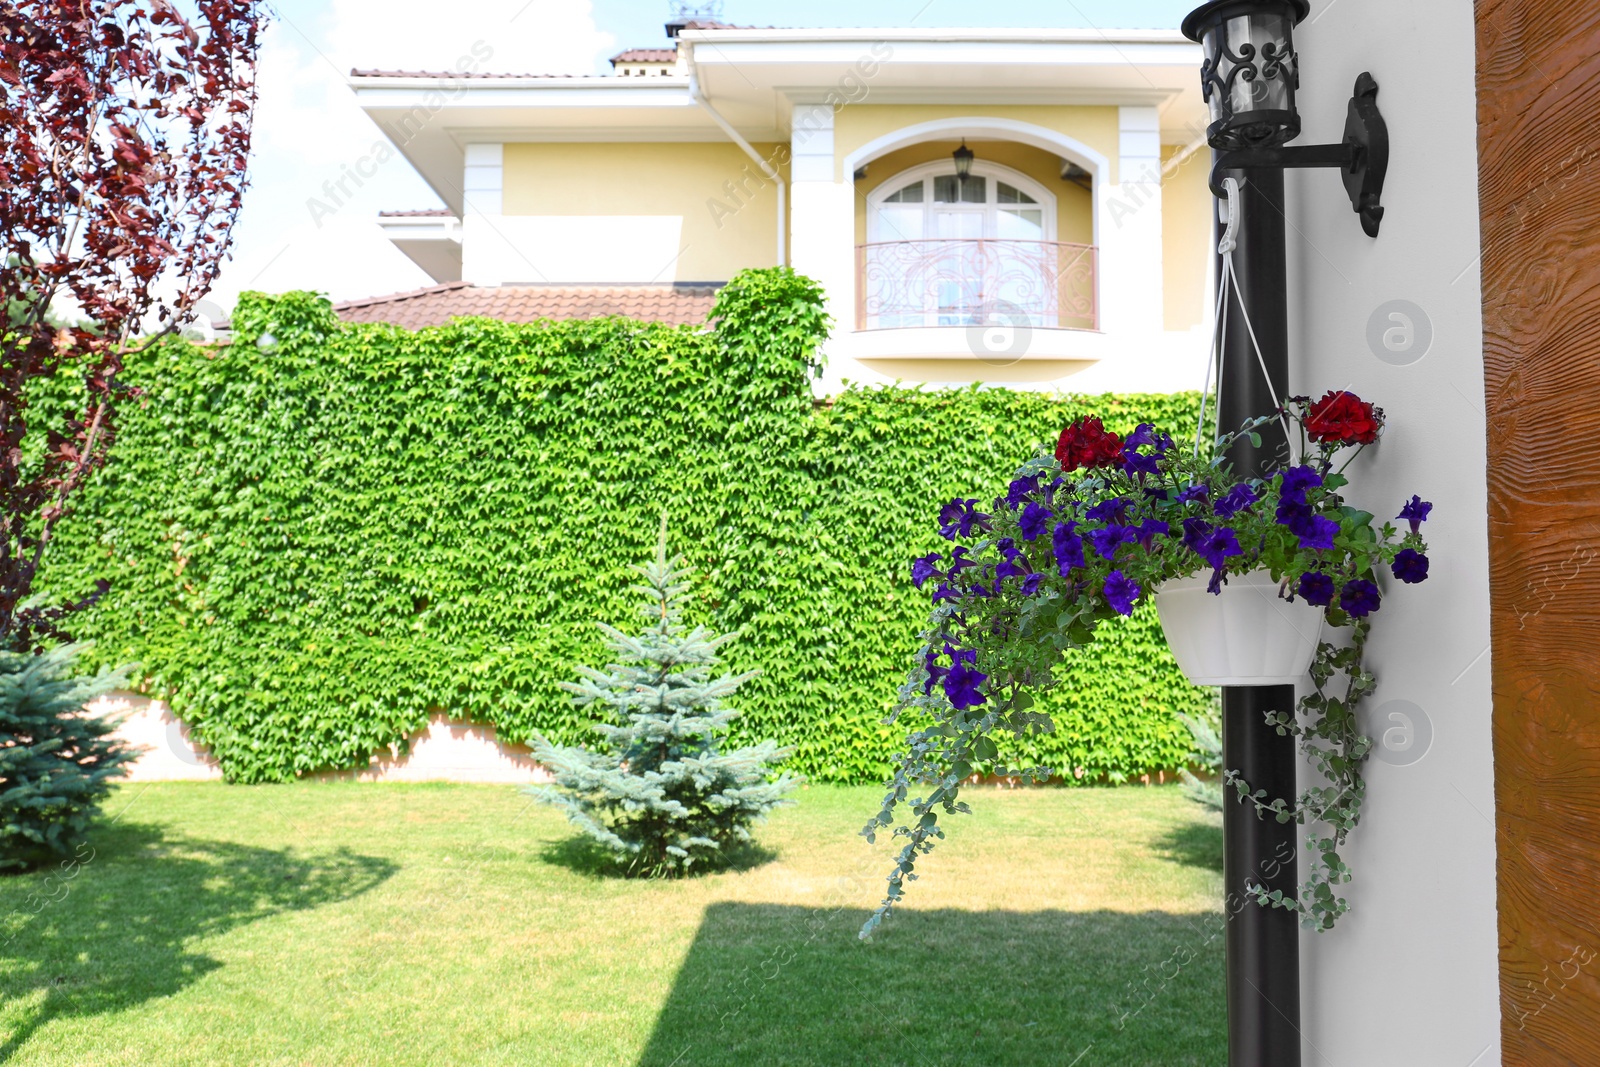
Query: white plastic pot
column 1245, row 635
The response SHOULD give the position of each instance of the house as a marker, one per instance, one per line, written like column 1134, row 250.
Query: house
column 1071, row 251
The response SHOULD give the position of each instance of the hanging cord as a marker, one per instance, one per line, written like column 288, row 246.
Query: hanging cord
column 1219, row 316
column 1229, row 282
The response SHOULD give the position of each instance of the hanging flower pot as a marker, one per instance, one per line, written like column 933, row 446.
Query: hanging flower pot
column 1086, row 533
column 1246, row 634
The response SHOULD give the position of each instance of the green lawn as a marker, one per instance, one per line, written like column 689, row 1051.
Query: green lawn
column 452, row 924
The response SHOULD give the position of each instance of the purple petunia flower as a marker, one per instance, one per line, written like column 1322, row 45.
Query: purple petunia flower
column 1106, row 541
column 949, row 517
column 930, row 662
column 1120, row 592
column 925, row 567
column 1030, row 585
column 1015, row 566
column 1068, row 548
column 1141, row 437
column 1410, row 566
column 1194, row 533
column 962, row 680
column 1111, row 510
column 961, row 518
column 1296, row 480
column 1135, row 464
column 1148, row 530
column 1190, row 494
column 1021, row 489
column 959, row 560
column 946, row 591
column 1359, row 597
column 1316, row 589
column 1314, row 531
column 1034, row 520
column 1236, row 500
column 1218, row 545
column 1415, row 512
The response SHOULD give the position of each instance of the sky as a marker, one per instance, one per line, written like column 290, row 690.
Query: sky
column 308, row 128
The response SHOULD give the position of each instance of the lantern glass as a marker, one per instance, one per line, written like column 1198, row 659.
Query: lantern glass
column 1250, row 72
column 963, row 157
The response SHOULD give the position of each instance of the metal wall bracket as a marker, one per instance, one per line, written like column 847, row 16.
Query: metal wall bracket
column 1362, row 157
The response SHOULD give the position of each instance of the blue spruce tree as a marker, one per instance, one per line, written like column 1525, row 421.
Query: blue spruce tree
column 661, row 796
column 57, row 763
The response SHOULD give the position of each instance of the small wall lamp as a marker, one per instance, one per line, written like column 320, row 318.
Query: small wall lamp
column 963, row 157
column 1249, row 78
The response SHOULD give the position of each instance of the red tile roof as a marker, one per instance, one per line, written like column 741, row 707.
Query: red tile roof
column 646, row 55
column 438, row 304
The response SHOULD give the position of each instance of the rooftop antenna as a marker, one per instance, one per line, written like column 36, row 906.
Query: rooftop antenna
column 683, row 9
column 684, row 12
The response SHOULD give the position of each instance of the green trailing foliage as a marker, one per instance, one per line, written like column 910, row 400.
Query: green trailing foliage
column 663, row 796
column 56, row 762
column 324, row 532
column 1329, row 735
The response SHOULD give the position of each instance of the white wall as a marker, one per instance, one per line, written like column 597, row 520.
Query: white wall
column 445, row 751
column 1409, row 978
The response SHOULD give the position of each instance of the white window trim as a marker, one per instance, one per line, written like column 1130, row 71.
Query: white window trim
column 980, row 167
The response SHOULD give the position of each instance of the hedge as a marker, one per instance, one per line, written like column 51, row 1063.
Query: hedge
column 322, row 533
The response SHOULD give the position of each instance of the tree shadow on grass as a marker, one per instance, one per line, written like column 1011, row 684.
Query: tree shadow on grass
column 582, row 855
column 1194, row 844
column 114, row 928
column 773, row 984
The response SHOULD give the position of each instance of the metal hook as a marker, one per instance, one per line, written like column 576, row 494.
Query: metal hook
column 1229, row 240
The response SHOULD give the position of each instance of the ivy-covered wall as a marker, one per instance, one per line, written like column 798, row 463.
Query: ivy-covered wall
column 323, row 532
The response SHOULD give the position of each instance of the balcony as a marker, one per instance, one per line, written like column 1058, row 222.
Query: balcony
column 975, row 282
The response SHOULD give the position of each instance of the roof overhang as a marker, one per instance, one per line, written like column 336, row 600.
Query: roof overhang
column 754, row 77
column 432, row 242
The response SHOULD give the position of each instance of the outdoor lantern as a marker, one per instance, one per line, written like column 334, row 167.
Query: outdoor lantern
column 963, row 157
column 1248, row 77
column 1250, row 72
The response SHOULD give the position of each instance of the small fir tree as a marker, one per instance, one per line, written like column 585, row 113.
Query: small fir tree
column 57, row 761
column 662, row 797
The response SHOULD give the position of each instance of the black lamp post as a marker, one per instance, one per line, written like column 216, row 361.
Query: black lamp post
column 1249, row 79
column 963, row 157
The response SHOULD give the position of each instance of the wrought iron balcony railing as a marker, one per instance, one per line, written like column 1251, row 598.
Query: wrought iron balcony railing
column 975, row 281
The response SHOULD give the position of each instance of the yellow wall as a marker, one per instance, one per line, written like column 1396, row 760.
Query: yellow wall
column 1074, row 205
column 1186, row 209
column 729, row 209
column 859, row 124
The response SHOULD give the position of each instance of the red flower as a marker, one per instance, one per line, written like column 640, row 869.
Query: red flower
column 1343, row 418
column 1087, row 444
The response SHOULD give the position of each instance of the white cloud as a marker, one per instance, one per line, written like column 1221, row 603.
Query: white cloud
column 308, row 128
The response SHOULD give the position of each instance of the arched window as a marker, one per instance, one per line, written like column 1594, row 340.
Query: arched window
column 930, row 203
column 946, row 252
